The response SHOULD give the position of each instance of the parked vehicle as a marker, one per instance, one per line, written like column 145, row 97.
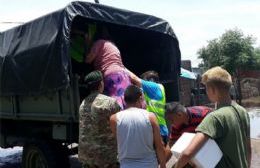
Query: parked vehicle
column 41, row 89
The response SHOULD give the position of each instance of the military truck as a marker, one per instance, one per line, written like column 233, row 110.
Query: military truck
column 40, row 85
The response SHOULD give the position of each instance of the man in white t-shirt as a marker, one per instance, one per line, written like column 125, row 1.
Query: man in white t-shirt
column 138, row 134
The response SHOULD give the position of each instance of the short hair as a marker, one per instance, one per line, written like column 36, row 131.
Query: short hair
column 132, row 94
column 174, row 107
column 217, row 77
column 150, row 76
column 94, row 86
column 93, row 80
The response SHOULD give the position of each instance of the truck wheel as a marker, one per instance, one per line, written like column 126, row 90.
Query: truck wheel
column 44, row 155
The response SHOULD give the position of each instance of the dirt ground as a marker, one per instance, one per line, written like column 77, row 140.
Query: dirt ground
column 14, row 161
column 255, row 153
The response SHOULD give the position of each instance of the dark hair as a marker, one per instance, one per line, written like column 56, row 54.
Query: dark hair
column 150, row 76
column 174, row 107
column 94, row 86
column 132, row 94
column 102, row 32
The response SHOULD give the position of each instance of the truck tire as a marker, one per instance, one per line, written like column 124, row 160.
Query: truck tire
column 44, row 155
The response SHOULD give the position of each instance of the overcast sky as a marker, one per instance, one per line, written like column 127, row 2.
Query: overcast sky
column 194, row 21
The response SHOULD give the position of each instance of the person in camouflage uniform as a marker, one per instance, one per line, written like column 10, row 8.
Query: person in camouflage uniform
column 97, row 145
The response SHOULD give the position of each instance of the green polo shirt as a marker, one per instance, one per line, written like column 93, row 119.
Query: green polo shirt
column 230, row 132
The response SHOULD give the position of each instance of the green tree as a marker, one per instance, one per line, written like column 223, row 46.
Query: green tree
column 211, row 55
column 232, row 50
column 257, row 58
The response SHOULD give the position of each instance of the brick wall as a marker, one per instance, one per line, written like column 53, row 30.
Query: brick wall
column 249, row 74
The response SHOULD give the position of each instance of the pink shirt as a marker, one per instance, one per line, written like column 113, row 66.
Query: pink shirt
column 107, row 57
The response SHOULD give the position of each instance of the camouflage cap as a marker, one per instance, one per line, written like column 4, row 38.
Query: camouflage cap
column 92, row 77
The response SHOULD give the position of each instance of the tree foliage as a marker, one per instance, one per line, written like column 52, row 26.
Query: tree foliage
column 257, row 57
column 232, row 50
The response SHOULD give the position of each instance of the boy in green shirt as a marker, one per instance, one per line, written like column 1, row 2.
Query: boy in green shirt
column 228, row 125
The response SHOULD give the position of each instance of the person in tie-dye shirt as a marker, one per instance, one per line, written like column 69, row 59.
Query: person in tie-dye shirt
column 105, row 57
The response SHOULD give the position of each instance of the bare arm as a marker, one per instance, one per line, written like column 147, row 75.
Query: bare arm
column 168, row 152
column 134, row 79
column 196, row 143
column 159, row 145
column 113, row 124
column 170, row 143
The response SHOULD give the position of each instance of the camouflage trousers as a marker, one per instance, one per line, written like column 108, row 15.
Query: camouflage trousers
column 115, row 165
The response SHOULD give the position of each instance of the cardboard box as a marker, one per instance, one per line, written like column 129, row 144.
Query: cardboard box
column 207, row 157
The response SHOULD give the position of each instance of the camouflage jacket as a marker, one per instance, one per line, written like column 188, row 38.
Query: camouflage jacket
column 97, row 146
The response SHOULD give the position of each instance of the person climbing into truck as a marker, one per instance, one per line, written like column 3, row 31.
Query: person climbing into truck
column 106, row 57
column 182, row 119
column 97, row 147
column 80, row 40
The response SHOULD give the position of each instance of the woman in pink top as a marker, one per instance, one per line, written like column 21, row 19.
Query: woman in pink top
column 106, row 57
